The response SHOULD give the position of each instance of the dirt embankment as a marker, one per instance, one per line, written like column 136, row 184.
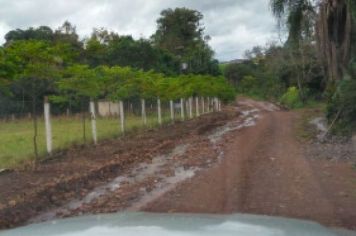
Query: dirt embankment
column 245, row 159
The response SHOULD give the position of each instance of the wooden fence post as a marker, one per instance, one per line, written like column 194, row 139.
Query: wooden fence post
column 203, row 105
column 122, row 116
column 182, row 109
column 171, row 105
column 93, row 121
column 197, row 112
column 143, row 111
column 159, row 111
column 48, row 127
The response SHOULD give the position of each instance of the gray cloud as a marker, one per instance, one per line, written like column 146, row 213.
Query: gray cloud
column 234, row 25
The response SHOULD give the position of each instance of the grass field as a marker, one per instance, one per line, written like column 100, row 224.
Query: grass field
column 16, row 137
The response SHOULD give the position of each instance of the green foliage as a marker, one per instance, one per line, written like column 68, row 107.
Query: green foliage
column 180, row 32
column 123, row 83
column 298, row 17
column 236, row 72
column 249, row 85
column 270, row 71
column 38, row 62
column 81, row 81
column 108, row 48
column 35, row 66
column 291, row 98
column 6, row 72
column 342, row 107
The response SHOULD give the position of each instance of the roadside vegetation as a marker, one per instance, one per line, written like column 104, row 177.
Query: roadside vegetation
column 316, row 64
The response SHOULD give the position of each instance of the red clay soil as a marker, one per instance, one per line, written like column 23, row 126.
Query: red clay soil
column 26, row 193
column 264, row 170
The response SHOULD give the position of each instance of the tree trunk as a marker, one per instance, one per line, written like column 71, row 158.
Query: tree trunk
column 334, row 28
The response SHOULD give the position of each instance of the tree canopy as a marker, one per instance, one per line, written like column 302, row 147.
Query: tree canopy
column 180, row 32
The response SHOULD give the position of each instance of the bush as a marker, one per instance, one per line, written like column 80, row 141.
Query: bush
column 291, row 98
column 342, row 107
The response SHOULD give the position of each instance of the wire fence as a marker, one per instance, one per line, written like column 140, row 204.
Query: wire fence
column 60, row 127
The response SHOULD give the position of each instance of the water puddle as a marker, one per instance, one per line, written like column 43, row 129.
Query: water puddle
column 167, row 185
column 321, row 125
column 249, row 119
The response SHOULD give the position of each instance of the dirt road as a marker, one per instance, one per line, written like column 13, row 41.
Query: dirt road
column 245, row 159
column 265, row 171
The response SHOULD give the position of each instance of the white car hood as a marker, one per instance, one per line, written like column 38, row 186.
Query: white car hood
column 148, row 224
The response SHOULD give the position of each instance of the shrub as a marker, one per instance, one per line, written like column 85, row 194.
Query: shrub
column 291, row 98
column 342, row 107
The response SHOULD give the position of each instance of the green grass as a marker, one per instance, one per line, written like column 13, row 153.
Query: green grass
column 16, row 137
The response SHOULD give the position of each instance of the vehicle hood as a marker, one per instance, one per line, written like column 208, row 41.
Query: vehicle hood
column 149, row 224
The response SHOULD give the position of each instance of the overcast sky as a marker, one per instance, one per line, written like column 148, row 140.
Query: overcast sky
column 234, row 25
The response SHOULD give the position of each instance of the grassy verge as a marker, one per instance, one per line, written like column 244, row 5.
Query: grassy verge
column 16, row 137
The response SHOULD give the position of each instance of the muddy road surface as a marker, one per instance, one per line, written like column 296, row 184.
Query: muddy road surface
column 245, row 159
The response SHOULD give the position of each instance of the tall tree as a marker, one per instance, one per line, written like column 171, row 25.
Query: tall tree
column 67, row 39
column 335, row 29
column 180, row 31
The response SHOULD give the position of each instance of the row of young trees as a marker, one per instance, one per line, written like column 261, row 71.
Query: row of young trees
column 176, row 62
column 40, row 69
column 179, row 46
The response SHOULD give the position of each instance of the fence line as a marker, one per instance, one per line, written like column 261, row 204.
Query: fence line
column 123, row 115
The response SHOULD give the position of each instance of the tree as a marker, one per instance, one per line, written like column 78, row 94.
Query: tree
column 235, row 72
column 67, row 40
column 111, row 49
column 36, row 66
column 6, row 72
column 43, row 33
column 300, row 20
column 179, row 30
column 335, row 29
column 64, row 38
column 181, row 33
column 80, row 83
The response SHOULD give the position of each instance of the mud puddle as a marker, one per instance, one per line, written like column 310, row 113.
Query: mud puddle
column 248, row 119
column 138, row 174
